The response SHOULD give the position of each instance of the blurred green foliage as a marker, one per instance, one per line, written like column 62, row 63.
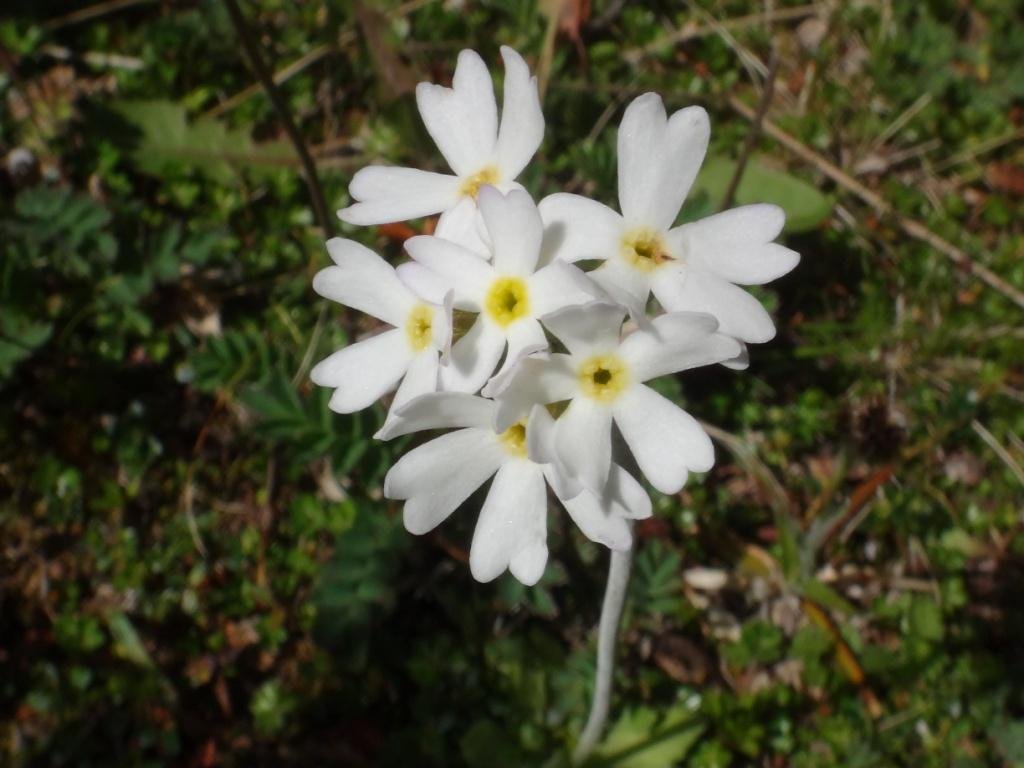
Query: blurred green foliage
column 197, row 566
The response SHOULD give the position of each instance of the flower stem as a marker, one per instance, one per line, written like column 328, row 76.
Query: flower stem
column 607, row 633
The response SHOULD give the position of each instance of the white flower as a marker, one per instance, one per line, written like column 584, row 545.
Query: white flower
column 509, row 294
column 511, row 532
column 410, row 351
column 603, row 377
column 463, row 121
column 693, row 267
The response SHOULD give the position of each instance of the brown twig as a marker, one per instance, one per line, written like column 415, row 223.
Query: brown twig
column 94, row 58
column 280, row 76
column 692, row 31
column 262, row 73
column 911, row 227
column 755, row 131
column 91, row 12
column 346, row 36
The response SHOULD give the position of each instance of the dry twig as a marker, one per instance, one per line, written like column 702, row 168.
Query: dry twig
column 693, row 31
column 262, row 73
column 911, row 227
column 346, row 36
column 755, row 131
column 91, row 12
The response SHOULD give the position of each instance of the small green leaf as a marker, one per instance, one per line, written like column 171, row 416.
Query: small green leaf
column 485, row 745
column 127, row 643
column 824, row 594
column 805, row 206
column 169, row 138
column 643, row 738
column 925, row 619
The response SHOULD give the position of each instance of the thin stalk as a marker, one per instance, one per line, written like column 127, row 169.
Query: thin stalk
column 607, row 634
column 263, row 74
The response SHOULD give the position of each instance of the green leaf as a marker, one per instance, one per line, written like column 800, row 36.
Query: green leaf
column 168, row 138
column 485, row 745
column 925, row 619
column 804, row 205
column 645, row 738
column 356, row 586
column 1008, row 736
column 657, row 584
column 824, row 594
column 127, row 643
column 20, row 336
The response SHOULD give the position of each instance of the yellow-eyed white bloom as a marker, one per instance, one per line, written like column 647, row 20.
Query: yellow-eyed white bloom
column 695, row 267
column 410, row 352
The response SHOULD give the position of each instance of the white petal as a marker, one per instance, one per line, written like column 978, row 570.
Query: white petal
column 583, row 442
column 384, row 194
column 462, row 119
column 665, row 440
column 364, row 371
column 631, row 498
column 522, row 122
column 686, row 144
column 461, row 270
column 525, row 337
column 741, row 362
column 423, row 282
column 512, row 529
column 587, row 329
column 474, row 358
column 532, row 381
column 540, row 448
column 560, row 285
column 514, row 229
column 462, row 225
column 690, row 289
column 540, row 435
column 676, row 342
column 420, row 379
column 737, row 245
column 628, row 286
column 442, row 327
column 640, row 144
column 578, row 228
column 364, row 281
column 597, row 523
column 439, row 410
column 658, row 159
column 603, row 517
column 438, row 476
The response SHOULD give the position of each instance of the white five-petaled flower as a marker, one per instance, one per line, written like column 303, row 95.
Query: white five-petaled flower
column 411, row 351
column 694, row 267
column 602, row 378
column 509, row 292
column 511, row 532
column 463, row 121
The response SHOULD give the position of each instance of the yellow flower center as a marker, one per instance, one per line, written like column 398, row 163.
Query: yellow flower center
column 603, row 377
column 643, row 249
column 419, row 327
column 471, row 186
column 514, row 439
column 507, row 300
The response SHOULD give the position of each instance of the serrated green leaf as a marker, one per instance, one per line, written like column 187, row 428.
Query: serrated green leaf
column 169, row 138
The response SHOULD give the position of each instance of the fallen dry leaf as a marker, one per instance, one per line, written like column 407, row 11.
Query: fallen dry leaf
column 1006, row 177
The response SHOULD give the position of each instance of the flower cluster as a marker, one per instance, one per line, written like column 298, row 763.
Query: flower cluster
column 549, row 356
